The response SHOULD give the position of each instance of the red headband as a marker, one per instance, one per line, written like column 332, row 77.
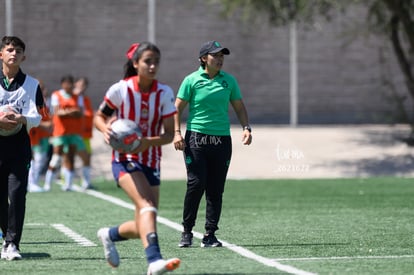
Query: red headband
column 131, row 50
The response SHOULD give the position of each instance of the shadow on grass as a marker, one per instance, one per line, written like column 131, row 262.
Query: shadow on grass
column 384, row 164
column 35, row 256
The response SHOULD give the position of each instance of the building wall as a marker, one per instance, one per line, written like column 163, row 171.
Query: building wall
column 339, row 82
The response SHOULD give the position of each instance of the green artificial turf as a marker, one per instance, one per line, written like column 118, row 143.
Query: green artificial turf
column 329, row 226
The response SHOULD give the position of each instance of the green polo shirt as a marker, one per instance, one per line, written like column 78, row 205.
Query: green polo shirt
column 208, row 101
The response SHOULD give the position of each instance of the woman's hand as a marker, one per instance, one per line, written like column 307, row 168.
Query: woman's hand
column 247, row 137
column 178, row 141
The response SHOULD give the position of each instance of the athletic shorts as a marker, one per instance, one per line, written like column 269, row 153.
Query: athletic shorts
column 42, row 147
column 121, row 168
column 69, row 140
column 88, row 147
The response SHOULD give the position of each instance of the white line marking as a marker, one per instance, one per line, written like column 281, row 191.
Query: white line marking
column 35, row 224
column 345, row 258
column 110, row 199
column 239, row 250
column 73, row 235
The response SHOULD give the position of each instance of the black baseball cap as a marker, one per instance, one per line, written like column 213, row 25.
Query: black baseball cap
column 212, row 47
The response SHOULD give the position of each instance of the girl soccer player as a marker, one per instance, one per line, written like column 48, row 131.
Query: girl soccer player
column 150, row 104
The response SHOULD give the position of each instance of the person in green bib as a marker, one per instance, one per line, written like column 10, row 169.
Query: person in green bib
column 207, row 143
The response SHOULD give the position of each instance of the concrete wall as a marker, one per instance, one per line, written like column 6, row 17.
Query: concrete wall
column 338, row 82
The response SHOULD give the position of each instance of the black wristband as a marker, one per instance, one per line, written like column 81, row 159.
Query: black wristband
column 247, row 127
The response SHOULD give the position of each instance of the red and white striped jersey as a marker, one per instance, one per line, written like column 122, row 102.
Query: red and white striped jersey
column 147, row 109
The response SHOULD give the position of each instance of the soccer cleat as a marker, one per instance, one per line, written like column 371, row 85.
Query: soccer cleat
column 186, row 239
column 161, row 266
column 12, row 253
column 34, row 188
column 86, row 186
column 67, row 188
column 111, row 254
column 210, row 240
column 4, row 250
column 47, row 187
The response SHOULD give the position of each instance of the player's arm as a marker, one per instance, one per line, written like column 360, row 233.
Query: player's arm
column 102, row 120
column 88, row 110
column 167, row 135
column 33, row 117
column 178, row 141
column 164, row 138
column 241, row 113
column 46, row 121
column 68, row 112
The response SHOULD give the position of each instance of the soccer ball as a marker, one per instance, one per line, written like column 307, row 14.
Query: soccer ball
column 125, row 135
column 15, row 130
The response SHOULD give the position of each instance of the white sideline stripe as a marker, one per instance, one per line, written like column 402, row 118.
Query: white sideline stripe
column 239, row 250
column 110, row 199
column 266, row 261
column 73, row 235
column 35, row 224
column 345, row 258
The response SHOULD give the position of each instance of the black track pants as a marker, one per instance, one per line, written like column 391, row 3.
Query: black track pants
column 13, row 189
column 207, row 159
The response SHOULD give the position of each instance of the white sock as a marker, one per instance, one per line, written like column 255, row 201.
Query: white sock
column 32, row 177
column 39, row 159
column 49, row 178
column 86, row 176
column 68, row 175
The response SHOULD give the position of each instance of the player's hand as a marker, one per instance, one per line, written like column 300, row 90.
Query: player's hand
column 178, row 142
column 144, row 145
column 107, row 132
column 247, row 137
column 8, row 120
column 19, row 118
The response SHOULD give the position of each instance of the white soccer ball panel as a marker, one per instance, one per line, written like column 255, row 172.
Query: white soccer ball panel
column 125, row 136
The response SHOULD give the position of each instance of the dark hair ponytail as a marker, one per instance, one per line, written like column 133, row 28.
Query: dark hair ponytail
column 129, row 69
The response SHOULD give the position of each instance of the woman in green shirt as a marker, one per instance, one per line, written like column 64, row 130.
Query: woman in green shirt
column 207, row 142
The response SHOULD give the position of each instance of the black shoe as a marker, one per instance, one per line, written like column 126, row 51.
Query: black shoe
column 210, row 240
column 186, row 239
